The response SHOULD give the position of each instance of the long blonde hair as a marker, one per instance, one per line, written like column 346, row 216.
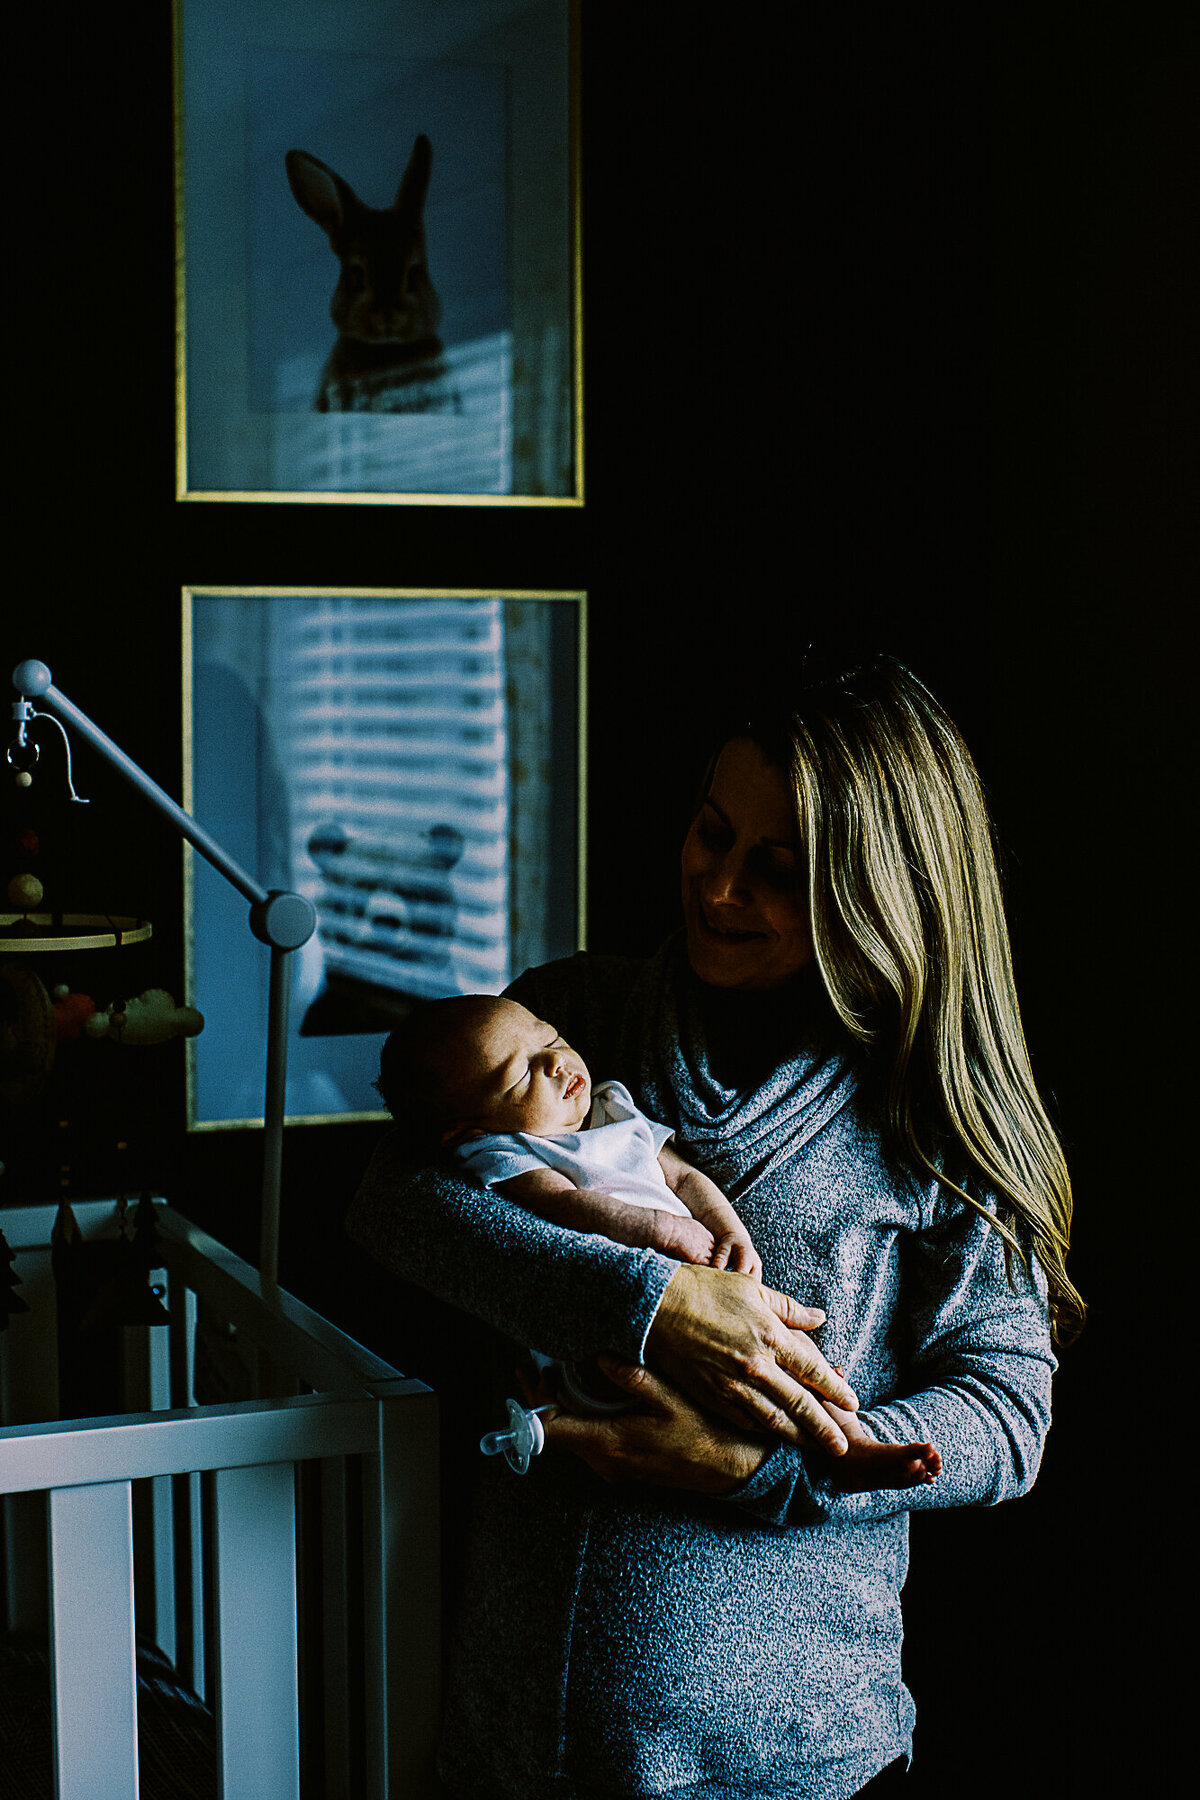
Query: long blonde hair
column 910, row 939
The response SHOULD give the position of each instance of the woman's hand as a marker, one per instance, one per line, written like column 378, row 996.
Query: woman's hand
column 741, row 1351
column 666, row 1440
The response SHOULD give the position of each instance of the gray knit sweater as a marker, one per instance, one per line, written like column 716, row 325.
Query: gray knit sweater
column 629, row 1641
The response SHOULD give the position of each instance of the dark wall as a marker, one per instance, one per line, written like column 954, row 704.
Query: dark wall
column 886, row 339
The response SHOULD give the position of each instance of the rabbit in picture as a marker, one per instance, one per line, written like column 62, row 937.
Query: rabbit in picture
column 388, row 355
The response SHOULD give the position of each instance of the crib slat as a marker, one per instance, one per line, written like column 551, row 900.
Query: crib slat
column 166, row 1623
column 189, row 1570
column 190, row 1590
column 147, row 1388
column 400, row 1576
column 257, row 1693
column 28, row 1392
column 92, row 1642
column 181, row 1335
column 335, row 1590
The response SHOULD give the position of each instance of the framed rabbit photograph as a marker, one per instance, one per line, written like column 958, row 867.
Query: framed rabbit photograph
column 412, row 762
column 377, row 288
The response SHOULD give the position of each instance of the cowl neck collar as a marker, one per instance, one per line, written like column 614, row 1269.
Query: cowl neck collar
column 745, row 1079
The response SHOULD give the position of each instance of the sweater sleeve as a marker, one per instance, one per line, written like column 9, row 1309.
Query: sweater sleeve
column 977, row 1385
column 566, row 1293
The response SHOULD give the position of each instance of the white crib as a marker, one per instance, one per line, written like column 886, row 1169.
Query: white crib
column 280, row 1548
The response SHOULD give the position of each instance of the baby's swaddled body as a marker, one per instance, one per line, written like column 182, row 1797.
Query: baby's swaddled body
column 614, row 1152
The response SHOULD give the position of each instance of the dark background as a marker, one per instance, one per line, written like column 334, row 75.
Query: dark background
column 889, row 336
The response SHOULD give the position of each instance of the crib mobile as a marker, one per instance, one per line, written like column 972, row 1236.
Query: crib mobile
column 37, row 1020
column 99, row 1285
column 282, row 920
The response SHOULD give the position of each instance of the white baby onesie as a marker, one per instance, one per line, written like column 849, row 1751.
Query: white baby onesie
column 617, row 1153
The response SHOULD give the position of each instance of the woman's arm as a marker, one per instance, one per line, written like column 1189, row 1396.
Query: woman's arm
column 979, row 1389
column 978, row 1383
column 737, row 1348
column 667, row 1441
column 564, row 1293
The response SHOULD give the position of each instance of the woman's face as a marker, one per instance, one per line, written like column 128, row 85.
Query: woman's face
column 744, row 901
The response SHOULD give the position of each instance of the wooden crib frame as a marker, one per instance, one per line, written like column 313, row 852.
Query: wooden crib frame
column 280, row 1549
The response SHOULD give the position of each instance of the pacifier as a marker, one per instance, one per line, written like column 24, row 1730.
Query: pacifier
column 524, row 1438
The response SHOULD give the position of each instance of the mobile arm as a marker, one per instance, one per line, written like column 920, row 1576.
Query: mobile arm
column 282, row 920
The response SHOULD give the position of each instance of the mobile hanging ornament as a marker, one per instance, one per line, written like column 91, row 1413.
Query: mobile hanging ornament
column 23, row 753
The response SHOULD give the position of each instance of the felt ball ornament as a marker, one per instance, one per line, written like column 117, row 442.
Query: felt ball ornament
column 71, row 1013
column 25, row 892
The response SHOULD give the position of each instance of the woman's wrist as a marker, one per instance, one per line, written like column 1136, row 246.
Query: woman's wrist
column 663, row 1439
column 724, row 1459
column 734, row 1464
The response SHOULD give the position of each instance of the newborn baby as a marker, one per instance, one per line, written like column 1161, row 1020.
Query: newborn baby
column 511, row 1100
column 483, row 1079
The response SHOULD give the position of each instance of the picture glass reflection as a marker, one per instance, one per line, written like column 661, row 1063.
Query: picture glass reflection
column 408, row 762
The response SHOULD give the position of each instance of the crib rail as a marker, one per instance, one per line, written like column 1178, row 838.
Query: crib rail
column 280, row 1549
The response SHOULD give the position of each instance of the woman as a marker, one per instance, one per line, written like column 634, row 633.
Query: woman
column 835, row 1039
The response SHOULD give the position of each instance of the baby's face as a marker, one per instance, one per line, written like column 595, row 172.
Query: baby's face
column 518, row 1075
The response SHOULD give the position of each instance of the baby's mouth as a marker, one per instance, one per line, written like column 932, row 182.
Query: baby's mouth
column 573, row 1087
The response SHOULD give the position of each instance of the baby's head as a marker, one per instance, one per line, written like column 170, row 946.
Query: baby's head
column 474, row 1064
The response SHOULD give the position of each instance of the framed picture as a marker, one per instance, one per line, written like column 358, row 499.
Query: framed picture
column 413, row 763
column 377, row 251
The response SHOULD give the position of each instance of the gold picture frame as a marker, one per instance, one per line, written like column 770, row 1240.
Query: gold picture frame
column 415, row 169
column 413, row 760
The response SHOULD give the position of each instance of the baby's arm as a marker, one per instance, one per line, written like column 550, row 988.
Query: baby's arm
column 554, row 1198
column 705, row 1201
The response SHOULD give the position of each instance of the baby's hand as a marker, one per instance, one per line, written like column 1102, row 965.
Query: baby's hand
column 682, row 1237
column 733, row 1250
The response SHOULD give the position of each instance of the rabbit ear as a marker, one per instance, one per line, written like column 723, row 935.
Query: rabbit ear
column 322, row 194
column 414, row 184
